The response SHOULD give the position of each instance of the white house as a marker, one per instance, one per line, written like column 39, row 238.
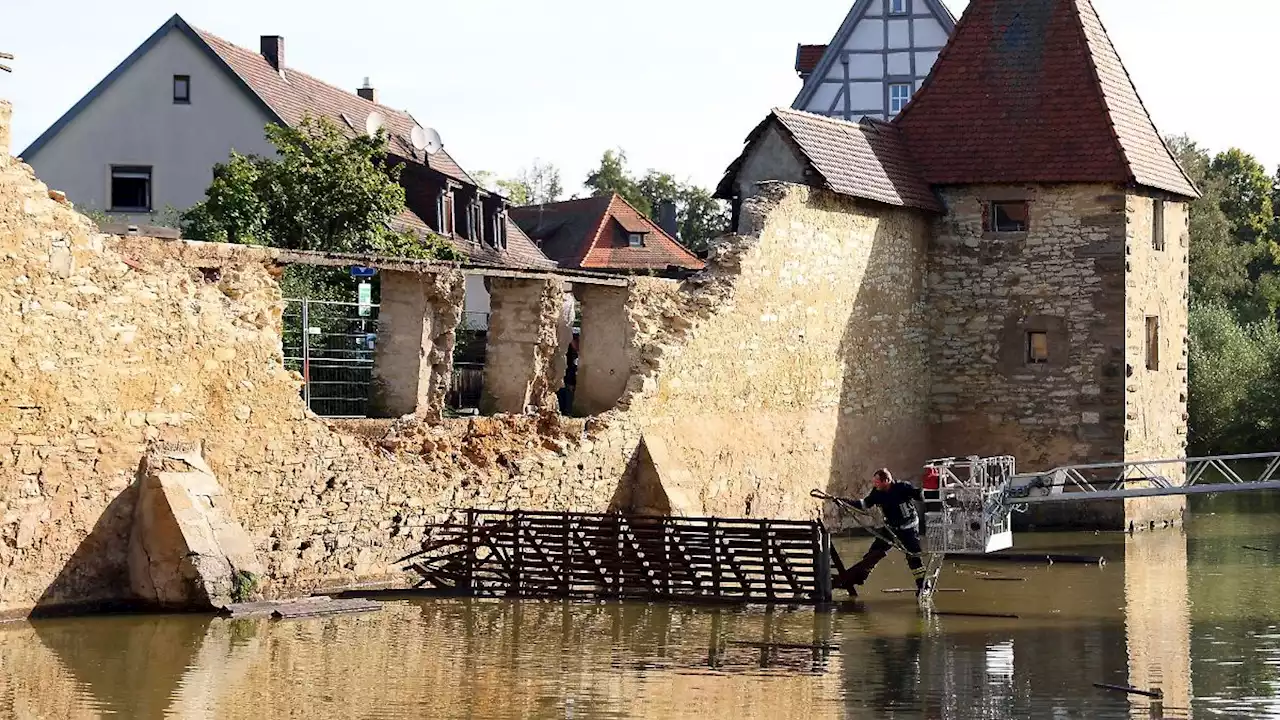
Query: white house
column 877, row 60
column 147, row 136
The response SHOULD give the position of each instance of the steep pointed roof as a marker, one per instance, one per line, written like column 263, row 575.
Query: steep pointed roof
column 1034, row 91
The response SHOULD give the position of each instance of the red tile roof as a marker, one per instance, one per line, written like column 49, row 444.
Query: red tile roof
column 808, row 56
column 867, row 160
column 591, row 234
column 293, row 94
column 1033, row 91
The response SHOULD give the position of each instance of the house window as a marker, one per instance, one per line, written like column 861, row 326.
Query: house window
column 897, row 7
column 446, row 214
column 1157, row 225
column 635, row 239
column 1037, row 347
column 131, row 188
column 502, row 230
column 182, row 89
column 1008, row 217
column 899, row 94
column 1153, row 343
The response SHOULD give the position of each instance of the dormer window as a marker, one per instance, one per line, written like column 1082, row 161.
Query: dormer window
column 635, row 240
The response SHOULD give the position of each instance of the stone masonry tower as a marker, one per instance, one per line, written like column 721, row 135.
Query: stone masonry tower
column 1057, row 280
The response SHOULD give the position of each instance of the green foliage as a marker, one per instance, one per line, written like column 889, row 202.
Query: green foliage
column 243, row 585
column 699, row 217
column 613, row 177
column 1234, row 386
column 537, row 184
column 1234, row 363
column 324, row 191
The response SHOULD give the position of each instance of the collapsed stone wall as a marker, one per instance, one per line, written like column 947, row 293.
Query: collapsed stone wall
column 741, row 386
column 115, row 343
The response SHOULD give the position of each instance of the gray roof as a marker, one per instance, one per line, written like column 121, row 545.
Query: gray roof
column 867, row 160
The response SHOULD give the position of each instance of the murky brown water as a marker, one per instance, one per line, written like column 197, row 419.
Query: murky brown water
column 1195, row 615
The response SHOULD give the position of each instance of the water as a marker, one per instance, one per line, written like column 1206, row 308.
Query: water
column 1194, row 615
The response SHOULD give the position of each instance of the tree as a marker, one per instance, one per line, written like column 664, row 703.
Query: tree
column 700, row 218
column 535, row 185
column 1246, row 194
column 1219, row 263
column 613, row 177
column 324, row 191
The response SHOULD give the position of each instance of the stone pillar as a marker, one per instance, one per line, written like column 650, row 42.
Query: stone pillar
column 413, row 361
column 6, row 111
column 604, row 364
column 523, row 341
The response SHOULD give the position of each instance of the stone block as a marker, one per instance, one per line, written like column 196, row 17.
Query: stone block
column 185, row 551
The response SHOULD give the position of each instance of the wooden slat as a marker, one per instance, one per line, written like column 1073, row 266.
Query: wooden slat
column 534, row 554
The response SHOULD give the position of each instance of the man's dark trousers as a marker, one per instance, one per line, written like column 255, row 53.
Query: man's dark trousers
column 910, row 540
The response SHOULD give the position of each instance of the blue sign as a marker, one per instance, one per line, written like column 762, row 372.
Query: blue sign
column 363, row 272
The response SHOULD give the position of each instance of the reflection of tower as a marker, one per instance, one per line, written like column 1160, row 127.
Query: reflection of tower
column 1158, row 621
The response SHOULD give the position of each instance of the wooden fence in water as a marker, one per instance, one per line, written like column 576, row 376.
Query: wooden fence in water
column 611, row 556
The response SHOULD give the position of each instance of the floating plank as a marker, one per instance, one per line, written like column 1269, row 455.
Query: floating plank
column 316, row 606
column 319, row 609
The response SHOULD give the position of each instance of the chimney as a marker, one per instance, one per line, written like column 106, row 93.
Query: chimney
column 667, row 218
column 367, row 92
column 273, row 50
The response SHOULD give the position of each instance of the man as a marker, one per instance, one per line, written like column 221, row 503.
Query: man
column 897, row 501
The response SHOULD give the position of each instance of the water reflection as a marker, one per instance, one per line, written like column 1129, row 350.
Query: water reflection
column 1162, row 612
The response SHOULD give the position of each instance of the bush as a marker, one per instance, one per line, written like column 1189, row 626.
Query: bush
column 1234, row 393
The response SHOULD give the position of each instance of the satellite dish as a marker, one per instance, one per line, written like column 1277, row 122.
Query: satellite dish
column 373, row 123
column 427, row 141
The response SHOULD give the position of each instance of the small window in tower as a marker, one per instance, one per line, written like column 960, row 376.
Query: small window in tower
column 182, row 89
column 1008, row 217
column 1157, row 225
column 635, row 239
column 899, row 95
column 1037, row 347
column 1153, row 343
column 897, row 7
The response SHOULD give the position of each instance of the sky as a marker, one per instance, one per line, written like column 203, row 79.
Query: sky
column 677, row 84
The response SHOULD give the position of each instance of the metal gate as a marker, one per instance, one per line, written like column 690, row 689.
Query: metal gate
column 331, row 344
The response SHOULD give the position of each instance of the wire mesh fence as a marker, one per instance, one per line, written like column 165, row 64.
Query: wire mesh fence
column 331, row 344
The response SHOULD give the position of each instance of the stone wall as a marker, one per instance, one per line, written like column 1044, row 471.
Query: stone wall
column 117, row 343
column 1065, row 277
column 5, row 111
column 1156, row 397
column 805, row 361
column 742, row 382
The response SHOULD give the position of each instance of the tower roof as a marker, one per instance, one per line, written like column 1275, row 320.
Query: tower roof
column 1034, row 91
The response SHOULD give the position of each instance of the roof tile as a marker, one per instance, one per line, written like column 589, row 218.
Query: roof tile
column 589, row 234
column 1034, row 91
column 293, row 94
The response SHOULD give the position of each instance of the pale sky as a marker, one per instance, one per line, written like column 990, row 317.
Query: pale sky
column 677, row 83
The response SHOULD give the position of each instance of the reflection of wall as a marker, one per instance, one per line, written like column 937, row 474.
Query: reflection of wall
column 487, row 660
column 1158, row 618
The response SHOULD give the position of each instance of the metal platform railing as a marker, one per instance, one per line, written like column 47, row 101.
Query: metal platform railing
column 1147, row 478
